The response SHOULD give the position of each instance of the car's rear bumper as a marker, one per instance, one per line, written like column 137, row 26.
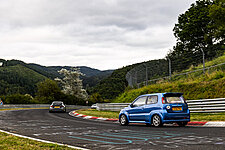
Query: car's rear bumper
column 180, row 120
column 57, row 110
column 176, row 117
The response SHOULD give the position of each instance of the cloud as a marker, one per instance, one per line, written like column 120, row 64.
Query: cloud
column 103, row 34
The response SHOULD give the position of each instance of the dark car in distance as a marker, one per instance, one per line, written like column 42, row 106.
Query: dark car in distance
column 57, row 106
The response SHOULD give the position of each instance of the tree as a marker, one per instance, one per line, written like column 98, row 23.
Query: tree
column 192, row 27
column 194, row 33
column 48, row 91
column 72, row 84
column 217, row 14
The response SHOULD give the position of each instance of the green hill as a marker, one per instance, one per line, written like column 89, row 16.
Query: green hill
column 194, row 86
column 92, row 76
column 114, row 84
column 18, row 79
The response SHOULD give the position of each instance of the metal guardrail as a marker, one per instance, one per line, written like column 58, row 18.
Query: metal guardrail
column 195, row 106
column 207, row 105
column 5, row 106
column 111, row 106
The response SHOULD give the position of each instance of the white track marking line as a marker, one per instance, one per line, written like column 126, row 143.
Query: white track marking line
column 39, row 140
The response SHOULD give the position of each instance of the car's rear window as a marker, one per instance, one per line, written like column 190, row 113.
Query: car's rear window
column 57, row 104
column 174, row 99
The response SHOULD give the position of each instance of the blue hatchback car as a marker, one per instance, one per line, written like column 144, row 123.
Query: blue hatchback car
column 156, row 109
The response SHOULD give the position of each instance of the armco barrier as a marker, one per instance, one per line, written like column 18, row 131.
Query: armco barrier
column 195, row 106
column 23, row 106
column 5, row 106
column 111, row 106
column 207, row 105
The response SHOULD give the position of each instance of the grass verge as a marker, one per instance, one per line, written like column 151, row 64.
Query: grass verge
column 96, row 113
column 115, row 115
column 208, row 116
column 8, row 142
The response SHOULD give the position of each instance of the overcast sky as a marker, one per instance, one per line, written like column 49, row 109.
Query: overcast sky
column 102, row 34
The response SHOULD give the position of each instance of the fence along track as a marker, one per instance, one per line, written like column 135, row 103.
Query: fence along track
column 132, row 81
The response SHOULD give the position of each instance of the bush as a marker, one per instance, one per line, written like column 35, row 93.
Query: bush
column 95, row 98
column 19, row 99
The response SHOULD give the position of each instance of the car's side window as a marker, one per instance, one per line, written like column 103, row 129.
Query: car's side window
column 141, row 101
column 152, row 99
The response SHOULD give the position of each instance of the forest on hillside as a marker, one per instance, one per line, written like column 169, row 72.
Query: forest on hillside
column 20, row 80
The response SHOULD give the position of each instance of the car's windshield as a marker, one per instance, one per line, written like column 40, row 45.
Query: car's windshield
column 177, row 99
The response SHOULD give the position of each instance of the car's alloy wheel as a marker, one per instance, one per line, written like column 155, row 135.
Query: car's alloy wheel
column 123, row 120
column 156, row 121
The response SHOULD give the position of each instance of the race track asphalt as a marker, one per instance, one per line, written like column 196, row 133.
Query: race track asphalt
column 91, row 134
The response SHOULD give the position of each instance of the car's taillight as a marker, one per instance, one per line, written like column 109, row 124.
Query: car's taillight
column 51, row 106
column 163, row 100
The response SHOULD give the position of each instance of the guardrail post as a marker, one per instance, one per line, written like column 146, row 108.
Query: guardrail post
column 203, row 60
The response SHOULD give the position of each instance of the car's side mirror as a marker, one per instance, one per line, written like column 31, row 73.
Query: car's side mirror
column 133, row 105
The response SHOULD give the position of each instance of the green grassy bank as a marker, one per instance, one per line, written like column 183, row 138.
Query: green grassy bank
column 192, row 90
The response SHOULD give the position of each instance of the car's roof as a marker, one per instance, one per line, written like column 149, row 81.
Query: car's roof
column 57, row 102
column 167, row 93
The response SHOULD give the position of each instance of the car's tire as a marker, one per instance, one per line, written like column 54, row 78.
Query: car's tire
column 156, row 121
column 182, row 124
column 123, row 120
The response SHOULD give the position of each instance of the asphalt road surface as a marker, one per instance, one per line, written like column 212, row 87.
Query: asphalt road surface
column 90, row 134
